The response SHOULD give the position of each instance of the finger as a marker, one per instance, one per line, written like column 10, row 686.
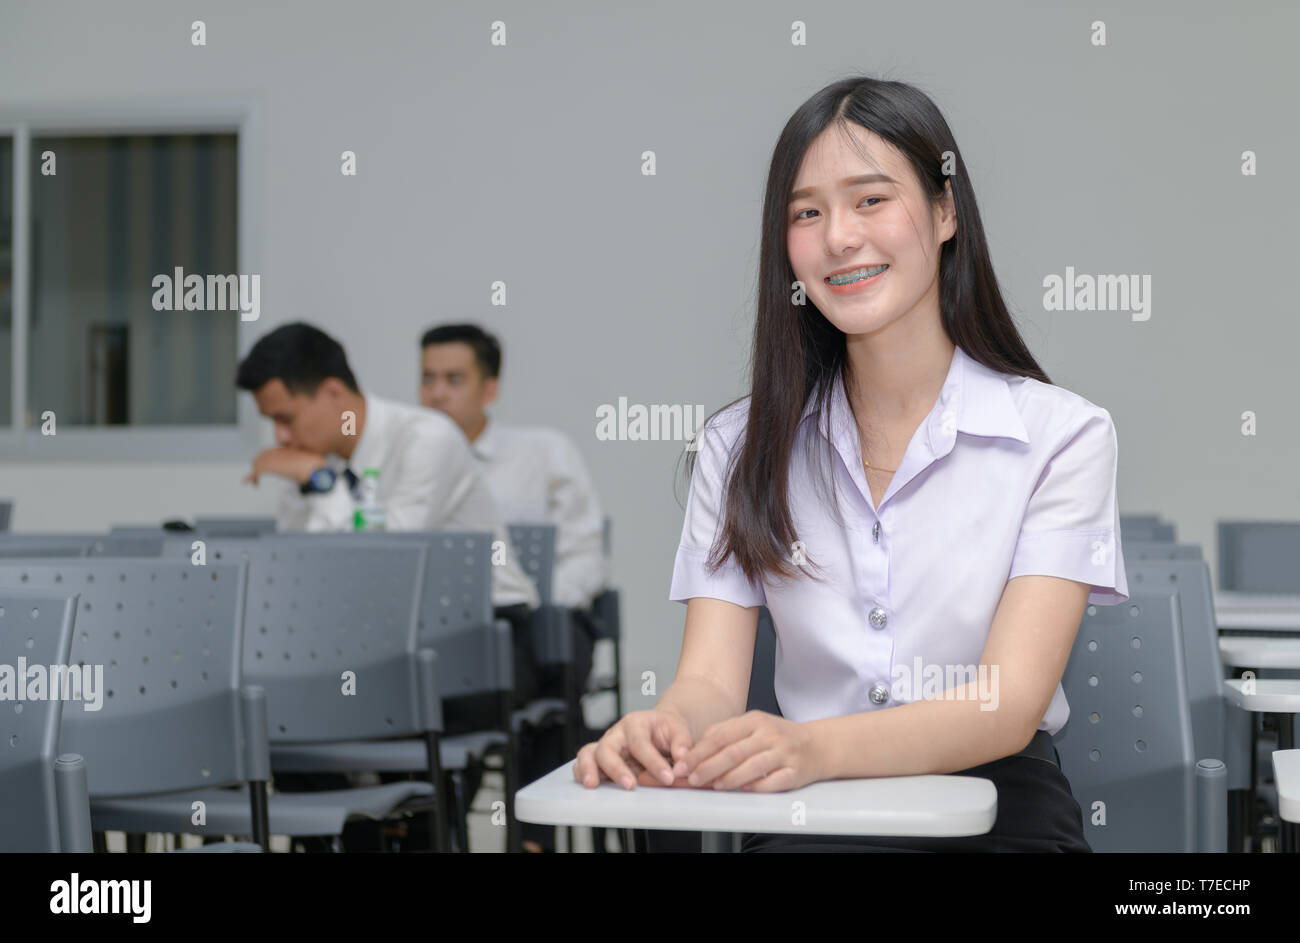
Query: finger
column 641, row 748
column 749, row 771
column 780, row 779
column 585, row 769
column 724, row 761
column 717, row 738
column 609, row 757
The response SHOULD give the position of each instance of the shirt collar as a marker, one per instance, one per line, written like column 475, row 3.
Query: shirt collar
column 974, row 399
column 485, row 446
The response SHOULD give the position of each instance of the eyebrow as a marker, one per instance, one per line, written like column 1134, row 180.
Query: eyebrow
column 846, row 182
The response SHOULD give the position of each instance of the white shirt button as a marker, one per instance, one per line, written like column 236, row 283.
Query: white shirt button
column 878, row 618
column 879, row 693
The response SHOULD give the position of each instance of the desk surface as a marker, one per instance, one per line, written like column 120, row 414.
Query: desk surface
column 1270, row 695
column 1264, row 611
column 1259, row 651
column 897, row 805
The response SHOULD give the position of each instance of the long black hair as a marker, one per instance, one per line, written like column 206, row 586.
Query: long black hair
column 797, row 352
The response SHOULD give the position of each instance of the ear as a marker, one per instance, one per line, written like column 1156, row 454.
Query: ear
column 491, row 387
column 332, row 388
column 948, row 216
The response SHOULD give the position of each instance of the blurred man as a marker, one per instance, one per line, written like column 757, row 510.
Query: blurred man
column 328, row 433
column 537, row 476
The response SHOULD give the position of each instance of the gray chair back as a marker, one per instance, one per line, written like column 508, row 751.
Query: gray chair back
column 6, row 510
column 535, row 545
column 1164, row 533
column 1137, row 551
column 27, row 549
column 127, row 545
column 82, row 545
column 1220, row 731
column 456, row 617
column 36, row 626
column 1259, row 556
column 234, row 526
column 166, row 636
column 1128, row 747
column 1138, row 520
column 330, row 634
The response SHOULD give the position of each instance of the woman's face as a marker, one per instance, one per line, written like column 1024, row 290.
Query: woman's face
column 878, row 217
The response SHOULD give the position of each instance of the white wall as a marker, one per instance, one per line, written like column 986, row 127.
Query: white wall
column 522, row 163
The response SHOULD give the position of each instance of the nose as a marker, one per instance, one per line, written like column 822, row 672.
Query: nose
column 843, row 234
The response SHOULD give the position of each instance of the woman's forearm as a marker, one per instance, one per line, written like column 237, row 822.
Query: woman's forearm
column 699, row 702
column 923, row 737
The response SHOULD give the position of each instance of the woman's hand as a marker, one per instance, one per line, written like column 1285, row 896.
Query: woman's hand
column 756, row 752
column 639, row 748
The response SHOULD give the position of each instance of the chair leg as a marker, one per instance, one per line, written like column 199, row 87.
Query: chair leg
column 511, row 774
column 135, row 843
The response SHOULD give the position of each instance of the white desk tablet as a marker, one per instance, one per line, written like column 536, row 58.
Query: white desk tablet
column 919, row 806
column 1275, row 612
column 1259, row 651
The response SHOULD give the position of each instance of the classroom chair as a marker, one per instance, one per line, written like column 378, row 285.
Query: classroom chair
column 1259, row 556
column 46, row 806
column 331, row 635
column 1128, row 748
column 1218, row 729
column 475, row 657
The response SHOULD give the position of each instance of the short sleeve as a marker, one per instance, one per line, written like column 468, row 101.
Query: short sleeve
column 1071, row 523
column 705, row 508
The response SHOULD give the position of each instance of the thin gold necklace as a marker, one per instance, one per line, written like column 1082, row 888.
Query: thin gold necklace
column 874, row 468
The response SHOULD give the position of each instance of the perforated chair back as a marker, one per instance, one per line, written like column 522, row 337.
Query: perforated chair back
column 1144, row 550
column 456, row 602
column 535, row 546
column 1127, row 748
column 330, row 635
column 1210, row 713
column 36, row 627
column 166, row 636
column 234, row 526
column 1259, row 556
column 762, row 673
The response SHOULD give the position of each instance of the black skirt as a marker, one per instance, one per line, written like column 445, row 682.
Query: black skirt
column 1036, row 813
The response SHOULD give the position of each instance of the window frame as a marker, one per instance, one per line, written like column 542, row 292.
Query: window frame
column 240, row 115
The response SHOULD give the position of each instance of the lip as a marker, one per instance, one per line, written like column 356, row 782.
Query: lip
column 854, row 268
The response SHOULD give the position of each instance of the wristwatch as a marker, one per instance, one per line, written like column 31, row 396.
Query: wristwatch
column 321, row 481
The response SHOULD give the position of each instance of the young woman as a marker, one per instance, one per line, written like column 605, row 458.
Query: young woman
column 903, row 489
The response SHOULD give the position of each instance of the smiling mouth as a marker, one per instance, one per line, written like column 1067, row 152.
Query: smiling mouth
column 857, row 275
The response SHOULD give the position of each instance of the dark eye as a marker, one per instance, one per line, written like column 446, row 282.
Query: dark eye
column 800, row 215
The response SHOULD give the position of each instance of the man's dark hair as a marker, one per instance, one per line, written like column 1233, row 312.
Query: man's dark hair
column 298, row 355
column 487, row 349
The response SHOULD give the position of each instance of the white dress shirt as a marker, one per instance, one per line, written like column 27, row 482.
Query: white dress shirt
column 1006, row 476
column 427, row 481
column 538, row 477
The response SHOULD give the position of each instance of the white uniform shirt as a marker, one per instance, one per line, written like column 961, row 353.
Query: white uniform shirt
column 538, row 477
column 1006, row 476
column 427, row 481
